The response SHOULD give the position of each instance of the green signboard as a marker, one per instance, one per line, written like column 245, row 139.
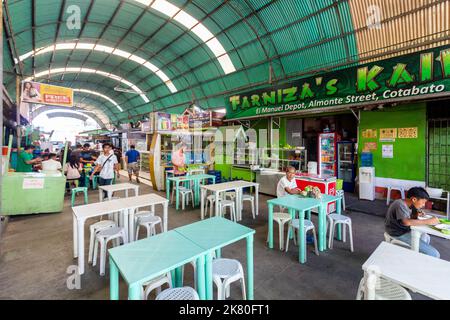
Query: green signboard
column 415, row 76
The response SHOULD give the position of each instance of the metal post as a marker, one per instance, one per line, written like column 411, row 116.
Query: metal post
column 19, row 133
column 8, row 157
column 65, row 154
column 1, row 103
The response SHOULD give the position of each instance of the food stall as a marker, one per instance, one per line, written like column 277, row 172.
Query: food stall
column 43, row 192
column 172, row 129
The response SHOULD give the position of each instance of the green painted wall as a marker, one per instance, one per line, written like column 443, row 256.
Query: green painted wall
column 409, row 162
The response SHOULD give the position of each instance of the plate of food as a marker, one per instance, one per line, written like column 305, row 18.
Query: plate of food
column 443, row 226
column 425, row 217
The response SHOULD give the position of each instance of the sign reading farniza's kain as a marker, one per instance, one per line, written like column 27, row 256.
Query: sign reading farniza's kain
column 408, row 77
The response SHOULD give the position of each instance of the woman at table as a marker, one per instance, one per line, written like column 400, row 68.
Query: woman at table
column 179, row 160
column 402, row 214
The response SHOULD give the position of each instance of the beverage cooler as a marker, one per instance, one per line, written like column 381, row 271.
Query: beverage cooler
column 327, row 154
column 346, row 164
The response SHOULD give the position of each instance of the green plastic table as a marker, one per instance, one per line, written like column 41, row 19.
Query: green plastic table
column 196, row 178
column 213, row 234
column 302, row 205
column 144, row 260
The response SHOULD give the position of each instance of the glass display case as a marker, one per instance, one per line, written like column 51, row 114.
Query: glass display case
column 327, row 154
column 346, row 164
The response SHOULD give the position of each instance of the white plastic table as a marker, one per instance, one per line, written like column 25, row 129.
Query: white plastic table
column 416, row 232
column 418, row 272
column 126, row 206
column 110, row 189
column 236, row 186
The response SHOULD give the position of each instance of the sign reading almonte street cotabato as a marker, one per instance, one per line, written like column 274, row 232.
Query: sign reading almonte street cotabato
column 407, row 77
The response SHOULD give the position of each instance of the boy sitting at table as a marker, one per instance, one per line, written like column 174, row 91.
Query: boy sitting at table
column 402, row 214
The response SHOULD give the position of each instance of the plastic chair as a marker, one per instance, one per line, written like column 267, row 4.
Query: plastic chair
column 230, row 194
column 377, row 288
column 334, row 220
column 389, row 190
column 75, row 191
column 185, row 193
column 94, row 229
column 157, row 283
column 281, row 218
column 341, row 193
column 149, row 222
column 95, row 182
column 392, row 240
column 209, row 199
column 225, row 272
column 184, row 293
column 223, row 204
column 294, row 224
column 248, row 197
column 102, row 238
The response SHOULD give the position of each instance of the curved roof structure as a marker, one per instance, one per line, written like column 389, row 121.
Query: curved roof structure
column 173, row 52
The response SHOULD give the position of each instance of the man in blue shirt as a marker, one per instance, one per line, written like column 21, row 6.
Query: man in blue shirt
column 132, row 158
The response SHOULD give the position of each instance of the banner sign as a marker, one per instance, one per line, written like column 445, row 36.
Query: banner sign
column 414, row 76
column 40, row 93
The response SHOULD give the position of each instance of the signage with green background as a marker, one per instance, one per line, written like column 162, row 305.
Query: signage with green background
column 406, row 77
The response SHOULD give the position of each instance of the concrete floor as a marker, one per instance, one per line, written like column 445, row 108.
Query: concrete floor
column 36, row 250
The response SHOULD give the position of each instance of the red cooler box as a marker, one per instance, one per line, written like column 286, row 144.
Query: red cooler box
column 327, row 185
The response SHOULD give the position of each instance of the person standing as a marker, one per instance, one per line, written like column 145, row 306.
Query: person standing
column 179, row 160
column 25, row 161
column 106, row 164
column 72, row 169
column 132, row 158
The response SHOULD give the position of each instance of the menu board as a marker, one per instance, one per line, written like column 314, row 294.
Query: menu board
column 182, row 122
column 407, row 133
column 388, row 133
column 369, row 133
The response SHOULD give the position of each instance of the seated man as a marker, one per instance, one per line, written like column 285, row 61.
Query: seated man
column 287, row 184
column 400, row 218
column 51, row 165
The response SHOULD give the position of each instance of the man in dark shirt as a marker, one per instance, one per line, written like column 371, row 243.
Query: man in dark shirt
column 399, row 219
column 132, row 158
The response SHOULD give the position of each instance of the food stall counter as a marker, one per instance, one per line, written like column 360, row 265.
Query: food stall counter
column 32, row 192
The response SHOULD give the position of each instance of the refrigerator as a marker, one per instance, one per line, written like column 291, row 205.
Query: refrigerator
column 327, row 154
column 346, row 164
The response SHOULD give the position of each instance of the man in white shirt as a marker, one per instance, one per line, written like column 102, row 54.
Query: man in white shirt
column 51, row 165
column 287, row 184
column 106, row 164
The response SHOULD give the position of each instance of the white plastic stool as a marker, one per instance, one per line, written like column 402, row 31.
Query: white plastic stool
column 156, row 284
column 281, row 218
column 102, row 238
column 377, row 288
column 392, row 240
column 294, row 224
column 223, row 204
column 225, row 272
column 184, row 293
column 185, row 193
column 248, row 197
column 335, row 219
column 149, row 222
column 230, row 194
column 94, row 229
column 141, row 214
column 341, row 193
column 390, row 188
column 209, row 199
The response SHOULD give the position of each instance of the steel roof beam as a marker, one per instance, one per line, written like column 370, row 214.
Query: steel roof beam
column 86, row 18
column 303, row 73
column 10, row 37
column 58, row 27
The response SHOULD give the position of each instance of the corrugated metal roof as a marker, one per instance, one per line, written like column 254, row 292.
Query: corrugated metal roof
column 290, row 37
